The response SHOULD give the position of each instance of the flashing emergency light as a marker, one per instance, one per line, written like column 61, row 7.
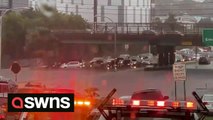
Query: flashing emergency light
column 189, row 104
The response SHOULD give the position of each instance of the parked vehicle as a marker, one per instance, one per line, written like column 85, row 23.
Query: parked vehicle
column 124, row 56
column 110, row 64
column 179, row 58
column 204, row 61
column 149, row 94
column 145, row 56
column 126, row 63
column 7, row 85
column 207, row 99
column 56, row 65
column 135, row 62
column 119, row 62
column 73, row 64
column 97, row 62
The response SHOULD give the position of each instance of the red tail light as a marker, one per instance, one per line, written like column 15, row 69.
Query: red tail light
column 117, row 102
column 136, row 102
column 160, row 103
column 189, row 104
column 175, row 104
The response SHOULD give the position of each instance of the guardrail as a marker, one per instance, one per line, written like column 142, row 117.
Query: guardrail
column 139, row 28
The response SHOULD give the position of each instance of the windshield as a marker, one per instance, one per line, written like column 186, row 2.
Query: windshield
column 93, row 46
column 208, row 98
column 73, row 62
column 147, row 96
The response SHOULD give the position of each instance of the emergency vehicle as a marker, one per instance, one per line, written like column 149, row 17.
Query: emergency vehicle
column 119, row 109
column 82, row 104
column 6, row 86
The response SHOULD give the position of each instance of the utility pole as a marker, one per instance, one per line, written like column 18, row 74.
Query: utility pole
column 1, row 20
column 95, row 15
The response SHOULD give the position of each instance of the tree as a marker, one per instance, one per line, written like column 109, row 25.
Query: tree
column 14, row 30
column 30, row 30
column 92, row 92
column 157, row 25
column 171, row 24
column 205, row 23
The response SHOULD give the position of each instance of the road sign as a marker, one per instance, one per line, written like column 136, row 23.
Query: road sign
column 15, row 68
column 179, row 71
column 207, row 37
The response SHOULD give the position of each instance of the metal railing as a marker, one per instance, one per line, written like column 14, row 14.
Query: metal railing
column 140, row 28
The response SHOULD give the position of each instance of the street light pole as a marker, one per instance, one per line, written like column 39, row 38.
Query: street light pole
column 1, row 18
column 115, row 41
column 1, row 26
column 115, row 34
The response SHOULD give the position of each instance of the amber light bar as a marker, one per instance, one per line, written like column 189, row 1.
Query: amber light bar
column 82, row 103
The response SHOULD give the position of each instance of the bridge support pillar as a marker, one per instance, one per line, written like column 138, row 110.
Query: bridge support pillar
column 166, row 55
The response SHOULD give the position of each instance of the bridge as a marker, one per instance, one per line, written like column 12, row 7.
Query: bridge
column 163, row 36
column 189, row 34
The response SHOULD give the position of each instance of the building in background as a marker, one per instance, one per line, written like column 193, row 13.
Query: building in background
column 5, row 4
column 20, row 3
column 119, row 11
column 108, row 11
column 37, row 4
column 8, row 4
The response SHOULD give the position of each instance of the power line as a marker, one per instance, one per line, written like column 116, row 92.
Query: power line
column 165, row 4
column 139, row 9
column 136, row 10
column 57, row 6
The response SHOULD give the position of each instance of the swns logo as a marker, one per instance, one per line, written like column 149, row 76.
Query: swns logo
column 40, row 102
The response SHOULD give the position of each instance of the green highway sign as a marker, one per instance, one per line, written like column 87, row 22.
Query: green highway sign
column 207, row 37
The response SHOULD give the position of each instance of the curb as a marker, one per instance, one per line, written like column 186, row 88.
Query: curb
column 189, row 62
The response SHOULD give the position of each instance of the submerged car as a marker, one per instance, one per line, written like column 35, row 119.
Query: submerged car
column 204, row 61
column 73, row 64
column 207, row 99
column 97, row 62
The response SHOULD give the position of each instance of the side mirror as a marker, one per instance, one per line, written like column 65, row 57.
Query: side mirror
column 166, row 97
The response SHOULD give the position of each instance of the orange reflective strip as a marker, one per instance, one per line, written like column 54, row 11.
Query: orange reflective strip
column 151, row 103
column 175, row 104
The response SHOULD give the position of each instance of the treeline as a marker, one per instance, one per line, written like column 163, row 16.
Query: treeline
column 27, row 33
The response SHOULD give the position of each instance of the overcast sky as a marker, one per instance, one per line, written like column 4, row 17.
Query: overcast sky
column 199, row 0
